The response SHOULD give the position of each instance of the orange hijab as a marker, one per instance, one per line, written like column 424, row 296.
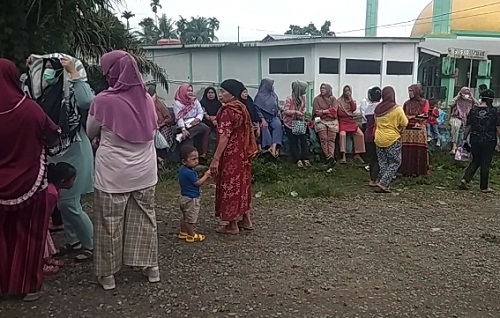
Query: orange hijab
column 239, row 110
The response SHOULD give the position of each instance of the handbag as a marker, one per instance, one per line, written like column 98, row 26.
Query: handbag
column 299, row 126
column 160, row 141
column 461, row 154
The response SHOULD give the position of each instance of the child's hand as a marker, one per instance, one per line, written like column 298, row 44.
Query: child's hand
column 208, row 174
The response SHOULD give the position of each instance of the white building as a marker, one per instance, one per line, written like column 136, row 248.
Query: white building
column 359, row 62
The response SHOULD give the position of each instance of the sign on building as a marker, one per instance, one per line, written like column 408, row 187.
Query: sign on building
column 471, row 54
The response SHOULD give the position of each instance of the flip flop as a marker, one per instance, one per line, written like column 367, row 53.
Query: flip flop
column 223, row 230
column 182, row 235
column 54, row 262
column 195, row 238
column 84, row 256
column 50, row 269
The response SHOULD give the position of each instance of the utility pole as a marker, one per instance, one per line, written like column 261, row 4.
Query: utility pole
column 371, row 19
column 238, row 34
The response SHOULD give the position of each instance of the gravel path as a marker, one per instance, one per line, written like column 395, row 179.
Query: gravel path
column 397, row 255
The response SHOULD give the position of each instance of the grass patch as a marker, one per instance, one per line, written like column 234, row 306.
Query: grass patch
column 277, row 179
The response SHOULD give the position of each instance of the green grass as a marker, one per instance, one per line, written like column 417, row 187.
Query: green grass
column 279, row 180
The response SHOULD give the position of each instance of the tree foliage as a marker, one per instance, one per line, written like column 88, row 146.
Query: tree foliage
column 311, row 29
column 195, row 30
column 85, row 29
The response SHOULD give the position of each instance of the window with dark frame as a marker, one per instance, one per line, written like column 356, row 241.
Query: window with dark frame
column 292, row 65
column 399, row 68
column 328, row 65
column 362, row 67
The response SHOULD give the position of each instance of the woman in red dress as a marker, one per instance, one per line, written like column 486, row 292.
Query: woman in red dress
column 24, row 211
column 231, row 164
column 348, row 126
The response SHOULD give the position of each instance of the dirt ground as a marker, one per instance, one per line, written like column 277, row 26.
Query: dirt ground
column 398, row 255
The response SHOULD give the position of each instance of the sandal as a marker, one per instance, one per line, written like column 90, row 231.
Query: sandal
column 343, row 162
column 307, row 163
column 68, row 248
column 489, row 190
column 195, row 238
column 182, row 235
column 84, row 255
column 300, row 164
column 244, row 227
column 54, row 262
column 463, row 185
column 50, row 269
column 381, row 189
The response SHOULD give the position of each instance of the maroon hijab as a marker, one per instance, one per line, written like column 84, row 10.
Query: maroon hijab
column 388, row 102
column 24, row 128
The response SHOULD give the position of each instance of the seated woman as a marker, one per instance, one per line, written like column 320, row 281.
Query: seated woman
column 252, row 110
column 326, row 124
column 211, row 104
column 347, row 125
column 295, row 110
column 266, row 102
column 189, row 115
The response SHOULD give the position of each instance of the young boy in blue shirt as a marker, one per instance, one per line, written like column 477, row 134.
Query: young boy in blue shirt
column 190, row 198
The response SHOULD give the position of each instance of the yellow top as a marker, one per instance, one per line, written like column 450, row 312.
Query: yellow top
column 478, row 16
column 388, row 127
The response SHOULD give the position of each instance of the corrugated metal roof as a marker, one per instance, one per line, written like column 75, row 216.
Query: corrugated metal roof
column 278, row 37
column 441, row 45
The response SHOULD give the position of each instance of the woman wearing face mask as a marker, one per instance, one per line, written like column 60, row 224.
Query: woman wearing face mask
column 462, row 104
column 59, row 85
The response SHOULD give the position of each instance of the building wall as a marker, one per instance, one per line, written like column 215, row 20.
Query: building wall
column 243, row 64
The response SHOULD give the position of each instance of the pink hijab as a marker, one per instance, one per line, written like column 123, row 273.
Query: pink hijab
column 125, row 107
column 181, row 95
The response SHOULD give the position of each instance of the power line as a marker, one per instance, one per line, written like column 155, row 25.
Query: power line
column 427, row 19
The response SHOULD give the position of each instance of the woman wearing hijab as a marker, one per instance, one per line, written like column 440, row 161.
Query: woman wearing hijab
column 390, row 120
column 189, row 117
column 63, row 93
column 374, row 96
column 267, row 105
column 415, row 160
column 24, row 217
column 347, row 125
column 483, row 127
column 126, row 172
column 231, row 164
column 211, row 105
column 462, row 104
column 295, row 110
column 326, row 124
column 252, row 110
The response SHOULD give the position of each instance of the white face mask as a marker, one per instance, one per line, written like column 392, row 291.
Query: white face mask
column 466, row 96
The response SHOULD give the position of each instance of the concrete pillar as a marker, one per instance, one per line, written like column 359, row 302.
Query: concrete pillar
column 441, row 17
column 309, row 97
column 448, row 78
column 371, row 19
column 483, row 74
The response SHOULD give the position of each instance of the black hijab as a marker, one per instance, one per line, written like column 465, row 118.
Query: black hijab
column 252, row 109
column 52, row 98
column 210, row 106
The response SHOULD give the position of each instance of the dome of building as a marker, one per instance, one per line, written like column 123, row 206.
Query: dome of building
column 468, row 18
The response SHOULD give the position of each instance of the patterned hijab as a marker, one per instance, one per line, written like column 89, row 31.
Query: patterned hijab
column 415, row 105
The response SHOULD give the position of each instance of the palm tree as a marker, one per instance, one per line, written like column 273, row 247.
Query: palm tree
column 197, row 30
column 83, row 28
column 166, row 28
column 149, row 34
column 155, row 4
column 127, row 15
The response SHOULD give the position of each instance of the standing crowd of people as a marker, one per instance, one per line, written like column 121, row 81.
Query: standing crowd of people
column 53, row 154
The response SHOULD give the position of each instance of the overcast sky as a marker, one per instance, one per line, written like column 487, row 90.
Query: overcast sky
column 257, row 18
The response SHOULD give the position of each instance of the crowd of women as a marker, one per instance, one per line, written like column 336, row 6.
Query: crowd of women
column 42, row 122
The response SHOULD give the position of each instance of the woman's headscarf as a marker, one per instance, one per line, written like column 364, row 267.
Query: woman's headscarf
column 239, row 111
column 388, row 102
column 210, row 106
column 12, row 93
column 463, row 105
column 325, row 101
column 181, row 95
column 299, row 89
column 415, row 106
column 252, row 110
column 266, row 99
column 23, row 131
column 125, row 107
column 342, row 102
